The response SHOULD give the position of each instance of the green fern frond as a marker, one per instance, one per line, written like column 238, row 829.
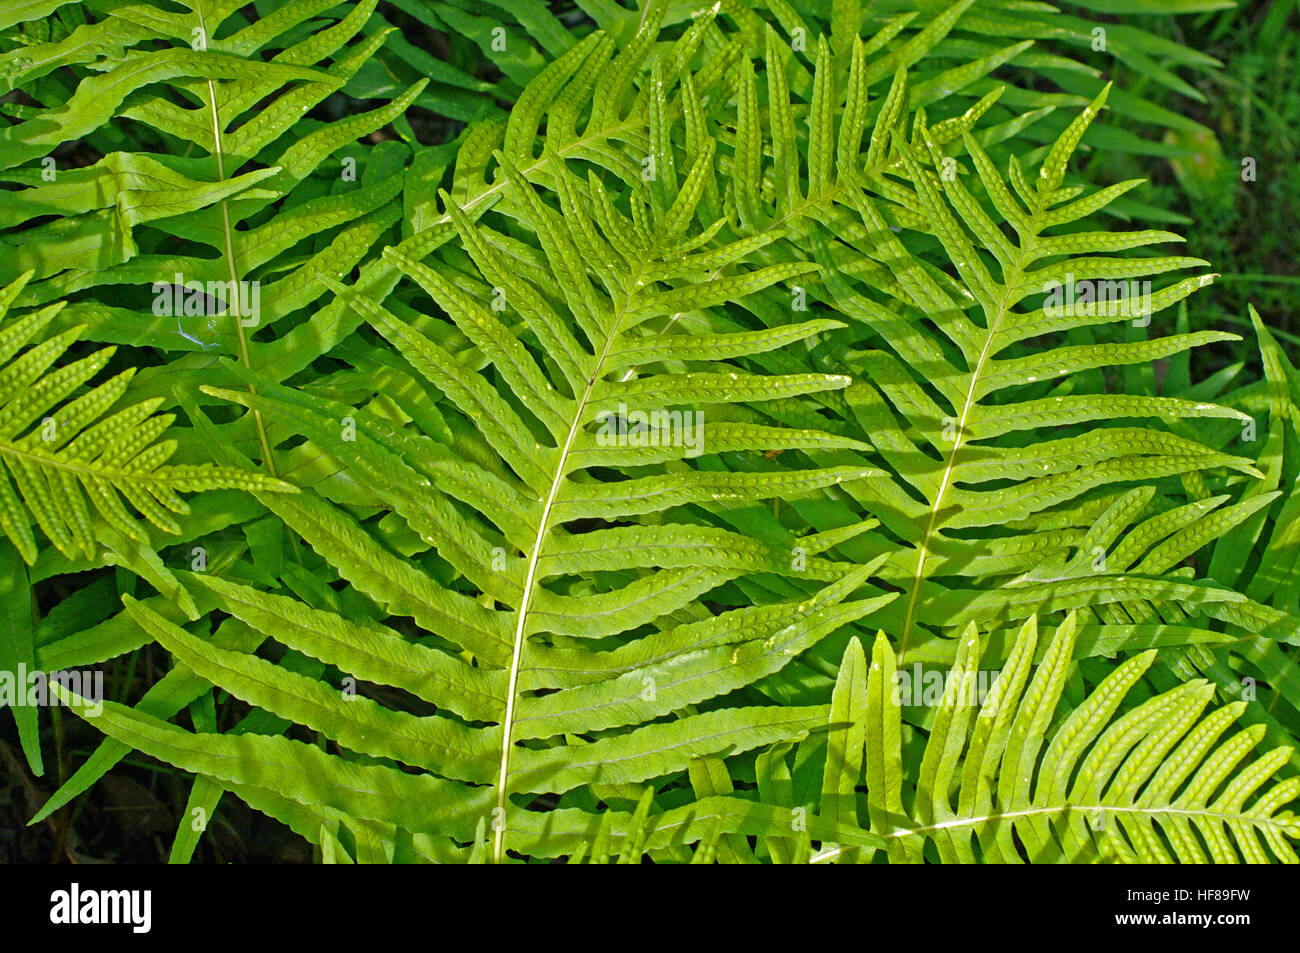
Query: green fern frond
column 569, row 688
column 60, row 446
column 172, row 128
column 953, row 387
column 530, row 616
column 1010, row 778
column 950, row 47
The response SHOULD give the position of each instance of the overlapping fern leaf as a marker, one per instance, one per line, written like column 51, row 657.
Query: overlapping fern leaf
column 150, row 150
column 76, row 460
column 1256, row 555
column 593, row 666
column 62, row 452
column 950, row 49
column 537, row 615
column 197, row 158
column 972, row 383
column 1009, row 775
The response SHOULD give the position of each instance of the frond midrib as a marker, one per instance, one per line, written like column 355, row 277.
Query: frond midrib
column 1003, row 309
column 530, row 578
column 114, row 475
column 1088, row 810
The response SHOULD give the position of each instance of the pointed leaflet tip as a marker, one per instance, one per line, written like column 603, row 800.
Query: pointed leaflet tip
column 881, row 645
column 1052, row 173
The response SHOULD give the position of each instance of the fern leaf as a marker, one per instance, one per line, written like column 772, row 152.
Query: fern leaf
column 60, row 453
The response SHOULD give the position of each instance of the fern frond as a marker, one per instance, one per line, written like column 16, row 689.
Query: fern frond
column 162, row 198
column 592, row 511
column 61, row 448
column 1012, row 778
column 581, row 677
column 955, row 401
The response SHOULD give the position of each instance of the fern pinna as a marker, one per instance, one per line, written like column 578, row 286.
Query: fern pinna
column 624, row 424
